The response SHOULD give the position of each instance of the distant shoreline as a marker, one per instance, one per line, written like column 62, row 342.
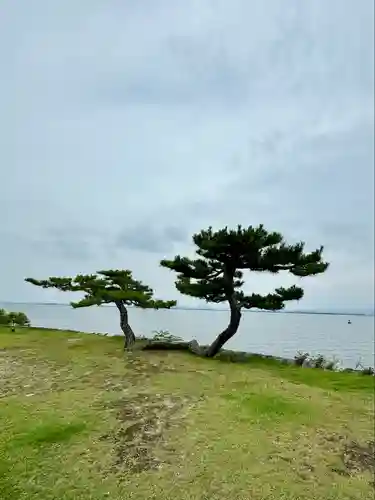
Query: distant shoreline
column 212, row 309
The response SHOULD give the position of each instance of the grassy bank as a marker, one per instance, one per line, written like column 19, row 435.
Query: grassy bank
column 82, row 420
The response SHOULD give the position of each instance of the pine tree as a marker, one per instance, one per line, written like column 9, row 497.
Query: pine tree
column 18, row 319
column 217, row 274
column 13, row 319
column 106, row 287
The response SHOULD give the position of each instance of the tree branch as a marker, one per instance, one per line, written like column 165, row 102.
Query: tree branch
column 272, row 301
column 107, row 286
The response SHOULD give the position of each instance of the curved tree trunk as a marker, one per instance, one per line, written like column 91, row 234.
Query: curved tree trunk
column 124, row 324
column 235, row 314
column 234, row 323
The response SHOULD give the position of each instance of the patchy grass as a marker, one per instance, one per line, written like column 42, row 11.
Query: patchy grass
column 82, row 420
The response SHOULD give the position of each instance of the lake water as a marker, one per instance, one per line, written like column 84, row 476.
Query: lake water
column 278, row 334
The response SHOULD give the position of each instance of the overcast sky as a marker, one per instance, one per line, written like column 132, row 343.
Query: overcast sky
column 126, row 126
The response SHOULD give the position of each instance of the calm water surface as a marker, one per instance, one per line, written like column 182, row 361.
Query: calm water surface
column 269, row 333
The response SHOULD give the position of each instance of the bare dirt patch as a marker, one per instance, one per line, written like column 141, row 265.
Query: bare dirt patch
column 140, row 443
column 29, row 375
column 337, row 452
column 356, row 457
column 17, row 375
column 146, row 368
column 359, row 457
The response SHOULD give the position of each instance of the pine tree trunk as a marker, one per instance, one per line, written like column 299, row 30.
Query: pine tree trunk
column 234, row 323
column 124, row 324
column 235, row 314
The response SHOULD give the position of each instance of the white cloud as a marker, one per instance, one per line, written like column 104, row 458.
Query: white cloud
column 163, row 115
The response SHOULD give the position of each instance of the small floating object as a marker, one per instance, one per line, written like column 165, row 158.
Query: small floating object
column 349, row 322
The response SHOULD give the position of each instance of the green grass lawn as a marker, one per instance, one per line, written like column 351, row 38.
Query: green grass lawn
column 82, row 420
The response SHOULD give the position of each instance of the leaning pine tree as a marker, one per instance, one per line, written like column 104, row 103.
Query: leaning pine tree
column 216, row 275
column 105, row 287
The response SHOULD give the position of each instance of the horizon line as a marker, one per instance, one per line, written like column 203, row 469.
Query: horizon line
column 212, row 309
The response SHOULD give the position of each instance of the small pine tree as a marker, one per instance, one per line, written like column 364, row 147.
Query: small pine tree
column 105, row 287
column 13, row 319
column 18, row 319
column 216, row 275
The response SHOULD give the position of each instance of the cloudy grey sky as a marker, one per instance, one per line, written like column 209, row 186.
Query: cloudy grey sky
column 127, row 126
